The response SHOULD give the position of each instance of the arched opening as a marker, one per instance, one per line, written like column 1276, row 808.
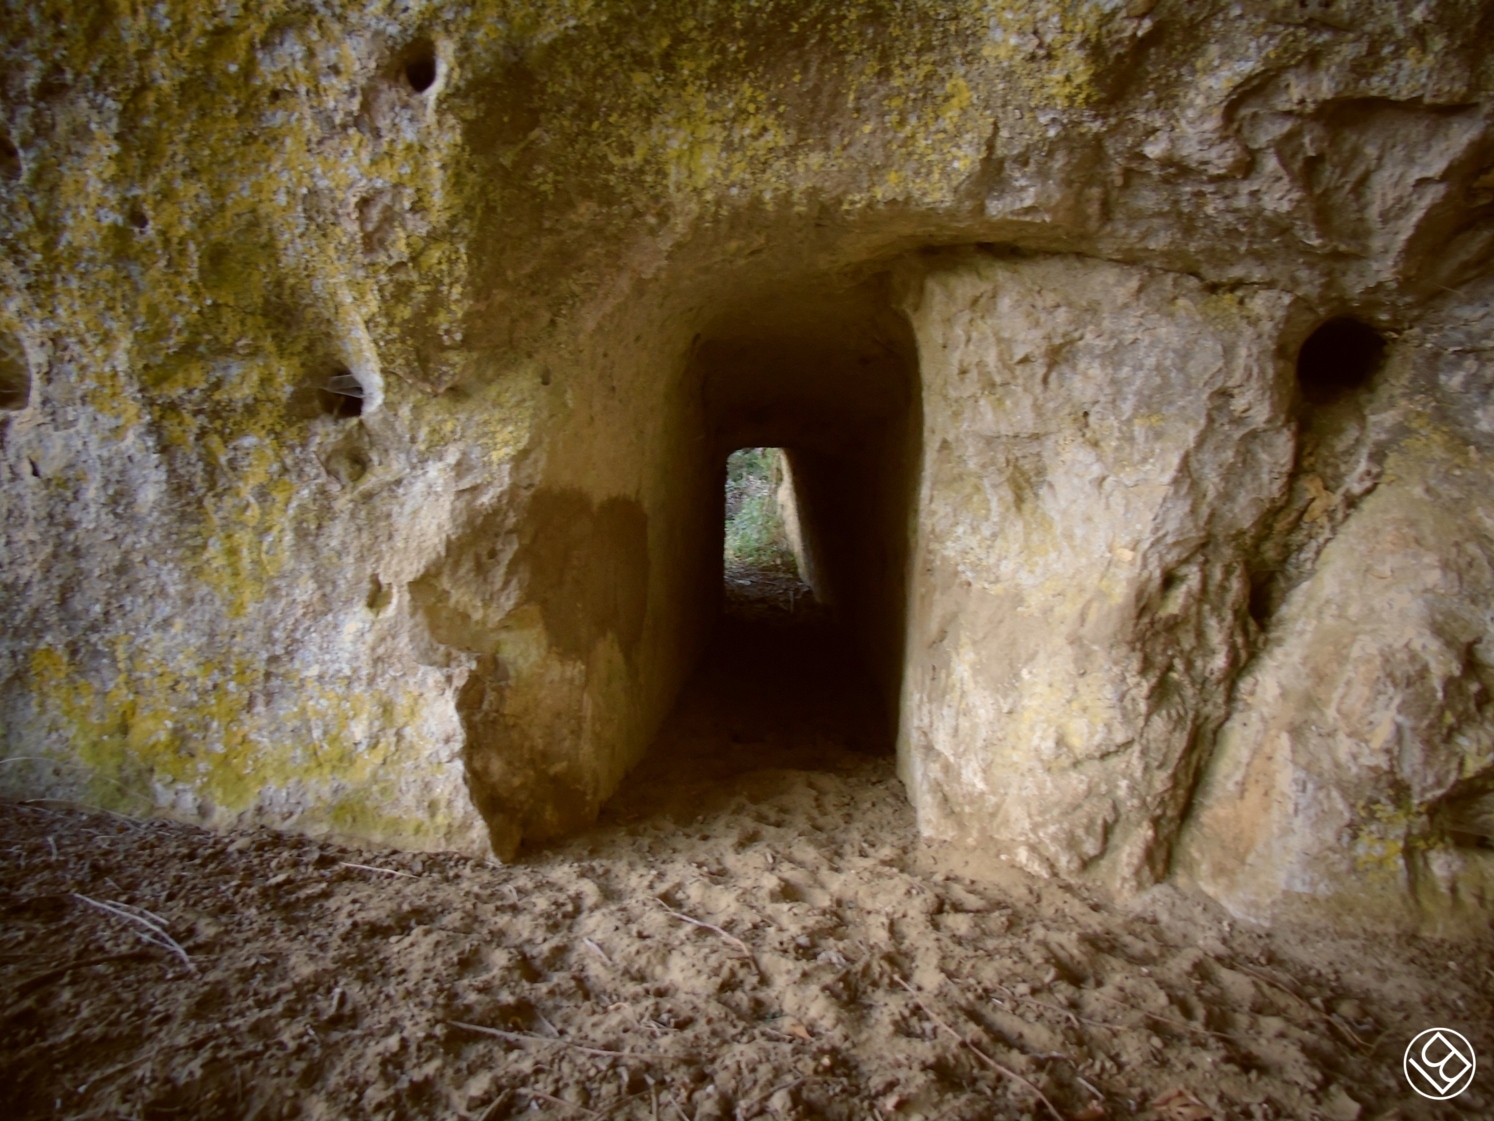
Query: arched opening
column 809, row 403
column 1342, row 355
column 764, row 549
column 420, row 65
column 341, row 396
column 329, row 391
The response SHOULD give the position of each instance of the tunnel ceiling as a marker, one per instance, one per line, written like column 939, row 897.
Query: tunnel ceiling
column 813, row 364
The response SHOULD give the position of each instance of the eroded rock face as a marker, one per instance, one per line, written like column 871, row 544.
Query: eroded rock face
column 1147, row 551
column 358, row 453
column 1104, row 444
column 1355, row 766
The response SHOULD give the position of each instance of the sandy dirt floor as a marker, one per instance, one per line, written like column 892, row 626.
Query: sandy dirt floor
column 752, row 929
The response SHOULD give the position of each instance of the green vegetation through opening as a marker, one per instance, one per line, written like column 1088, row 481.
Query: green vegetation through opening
column 757, row 535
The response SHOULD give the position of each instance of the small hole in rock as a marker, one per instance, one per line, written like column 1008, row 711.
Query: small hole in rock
column 347, row 464
column 420, row 65
column 341, row 395
column 1339, row 357
column 10, row 159
column 139, row 219
column 1260, row 602
column 1468, row 820
column 380, row 595
column 15, row 375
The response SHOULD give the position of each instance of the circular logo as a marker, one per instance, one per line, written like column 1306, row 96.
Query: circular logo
column 1439, row 1064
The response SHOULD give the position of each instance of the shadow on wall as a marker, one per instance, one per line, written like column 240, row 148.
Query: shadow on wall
column 585, row 568
column 588, row 569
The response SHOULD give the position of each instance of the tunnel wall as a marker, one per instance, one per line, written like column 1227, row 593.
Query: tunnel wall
column 857, row 514
column 583, row 607
column 857, row 492
column 1114, row 456
column 1103, row 443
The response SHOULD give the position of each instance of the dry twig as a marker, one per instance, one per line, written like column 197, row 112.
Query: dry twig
column 1160, row 1018
column 57, row 762
column 62, row 971
column 386, row 871
column 990, row 1062
column 155, row 926
column 528, row 1037
column 151, row 1056
column 732, row 938
column 748, row 1110
column 38, row 803
column 1332, row 1021
column 601, row 953
column 496, row 1104
column 559, row 1101
column 1073, row 1019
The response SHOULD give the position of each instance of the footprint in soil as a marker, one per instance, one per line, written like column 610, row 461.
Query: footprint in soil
column 752, row 928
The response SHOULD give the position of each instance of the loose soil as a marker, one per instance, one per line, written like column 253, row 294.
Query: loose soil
column 752, row 929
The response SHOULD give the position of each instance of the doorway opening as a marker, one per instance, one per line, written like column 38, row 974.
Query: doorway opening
column 763, row 556
column 781, row 690
column 802, row 489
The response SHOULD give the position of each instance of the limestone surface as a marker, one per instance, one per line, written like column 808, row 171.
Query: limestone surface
column 1103, row 446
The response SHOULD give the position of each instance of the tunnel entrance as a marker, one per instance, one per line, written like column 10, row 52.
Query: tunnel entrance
column 808, row 404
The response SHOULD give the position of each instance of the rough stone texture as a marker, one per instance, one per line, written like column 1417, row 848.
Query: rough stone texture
column 1134, row 530
column 1103, row 445
column 458, row 617
column 1355, row 768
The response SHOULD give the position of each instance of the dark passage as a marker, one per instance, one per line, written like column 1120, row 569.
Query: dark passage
column 780, row 689
column 806, row 399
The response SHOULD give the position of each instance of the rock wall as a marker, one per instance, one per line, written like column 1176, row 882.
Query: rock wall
column 1104, row 445
column 1354, row 770
column 1178, row 609
column 366, row 369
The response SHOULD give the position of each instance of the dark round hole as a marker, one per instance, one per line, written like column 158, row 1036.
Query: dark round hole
column 1339, row 357
column 139, row 219
column 420, row 66
column 341, row 395
column 1259, row 604
column 346, row 408
column 15, row 374
column 10, row 159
